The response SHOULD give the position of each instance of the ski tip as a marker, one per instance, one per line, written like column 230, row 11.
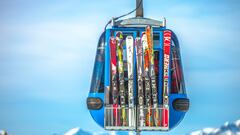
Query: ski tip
column 137, row 41
column 144, row 37
column 148, row 27
column 112, row 40
column 137, row 38
column 167, row 33
column 129, row 38
column 119, row 34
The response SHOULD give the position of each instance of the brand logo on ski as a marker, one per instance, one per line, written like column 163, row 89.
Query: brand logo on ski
column 166, row 70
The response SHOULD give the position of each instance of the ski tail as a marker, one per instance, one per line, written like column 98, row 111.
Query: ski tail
column 116, row 114
column 165, row 113
column 123, row 118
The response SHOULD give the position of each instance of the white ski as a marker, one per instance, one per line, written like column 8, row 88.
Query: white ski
column 139, row 54
column 129, row 50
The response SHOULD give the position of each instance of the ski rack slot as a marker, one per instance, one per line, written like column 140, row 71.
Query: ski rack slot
column 162, row 126
column 111, row 124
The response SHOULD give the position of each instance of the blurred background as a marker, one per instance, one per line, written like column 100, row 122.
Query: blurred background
column 47, row 51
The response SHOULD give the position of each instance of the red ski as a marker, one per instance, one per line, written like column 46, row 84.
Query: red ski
column 114, row 80
column 166, row 71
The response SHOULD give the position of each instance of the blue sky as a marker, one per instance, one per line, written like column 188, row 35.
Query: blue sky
column 47, row 51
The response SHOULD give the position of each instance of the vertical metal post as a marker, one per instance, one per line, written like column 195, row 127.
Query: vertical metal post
column 138, row 132
column 139, row 11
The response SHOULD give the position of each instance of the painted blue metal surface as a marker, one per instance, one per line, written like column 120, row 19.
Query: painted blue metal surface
column 160, row 68
column 98, row 115
column 107, row 58
column 175, row 116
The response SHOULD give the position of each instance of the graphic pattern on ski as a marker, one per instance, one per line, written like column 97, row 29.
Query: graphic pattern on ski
column 129, row 50
column 147, row 80
column 166, row 73
column 139, row 54
column 119, row 39
column 149, row 34
column 123, row 112
column 114, row 80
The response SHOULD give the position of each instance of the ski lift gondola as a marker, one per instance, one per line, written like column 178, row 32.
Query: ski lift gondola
column 99, row 100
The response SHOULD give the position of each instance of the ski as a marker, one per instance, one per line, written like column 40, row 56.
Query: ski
column 139, row 54
column 149, row 34
column 114, row 80
column 119, row 39
column 166, row 70
column 129, row 50
column 147, row 80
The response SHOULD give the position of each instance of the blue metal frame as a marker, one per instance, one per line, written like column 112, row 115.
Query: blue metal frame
column 160, row 67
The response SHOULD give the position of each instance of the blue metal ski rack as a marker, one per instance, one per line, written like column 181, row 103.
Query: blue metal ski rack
column 99, row 101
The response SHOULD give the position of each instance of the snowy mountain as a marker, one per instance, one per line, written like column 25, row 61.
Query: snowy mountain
column 77, row 131
column 226, row 129
column 2, row 132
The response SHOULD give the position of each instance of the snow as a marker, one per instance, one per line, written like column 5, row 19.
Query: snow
column 73, row 131
column 209, row 130
column 2, row 132
column 237, row 123
column 227, row 129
